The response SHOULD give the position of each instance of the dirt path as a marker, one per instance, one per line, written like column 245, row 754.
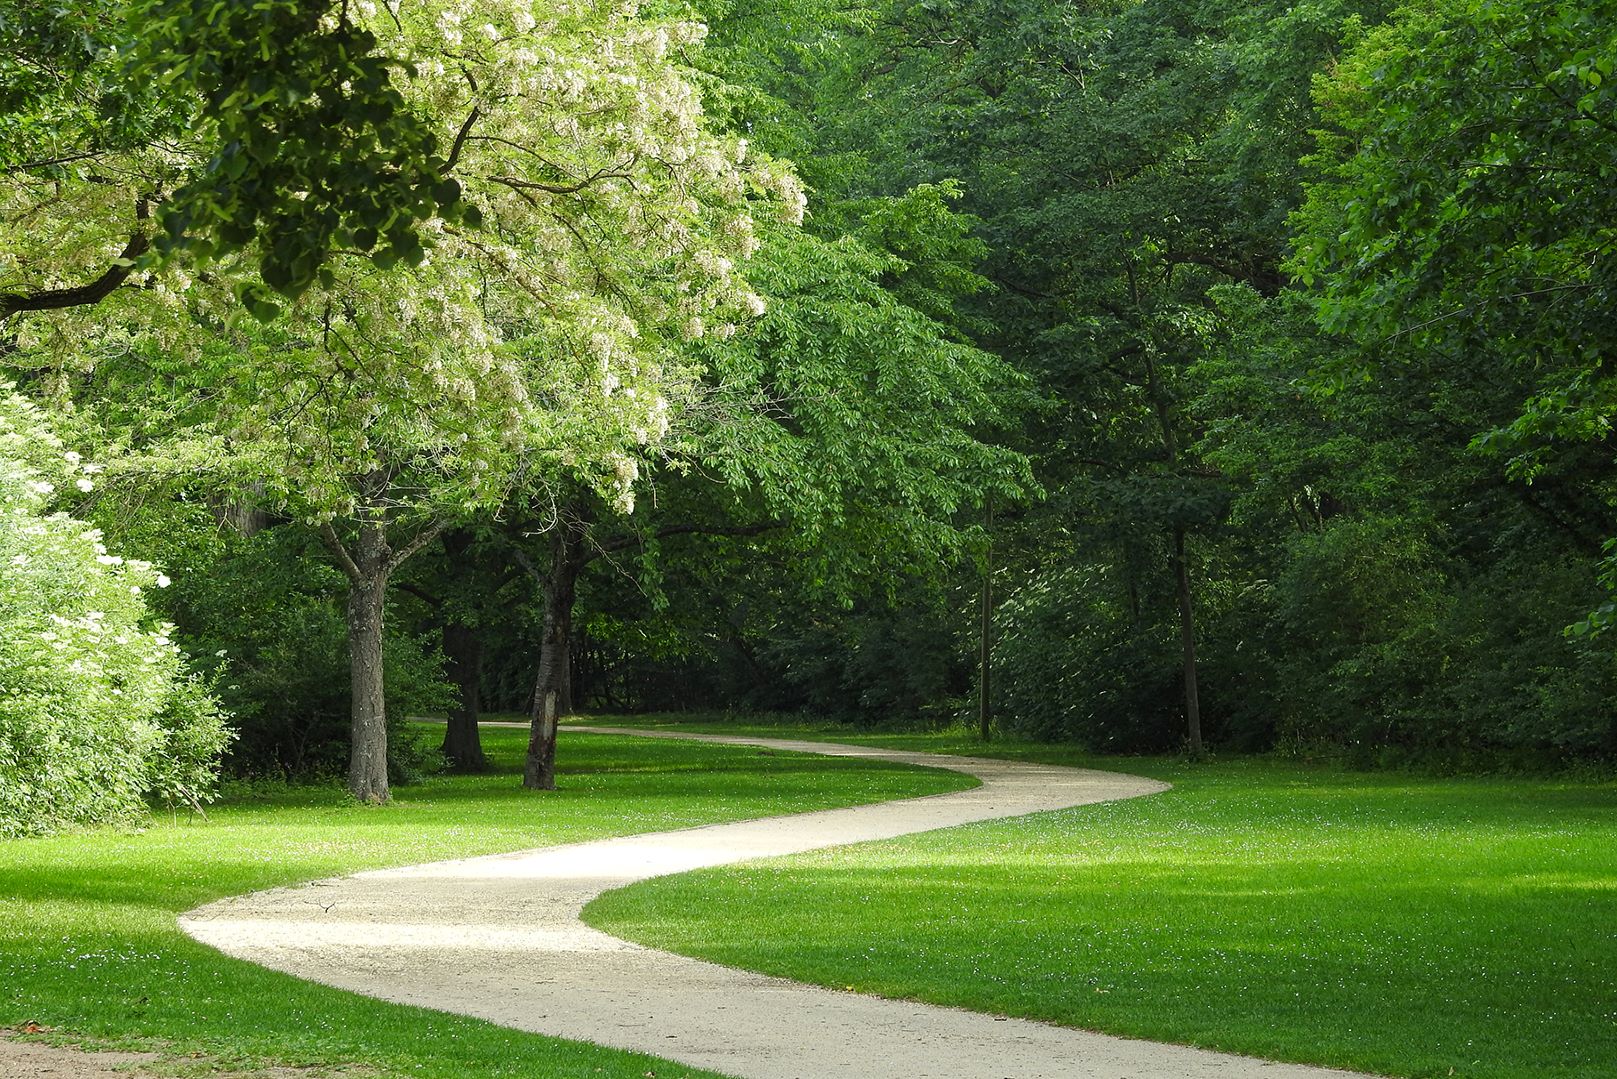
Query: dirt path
column 500, row 938
column 31, row 1060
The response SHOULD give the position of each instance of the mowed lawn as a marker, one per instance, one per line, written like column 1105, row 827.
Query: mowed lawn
column 89, row 946
column 1395, row 924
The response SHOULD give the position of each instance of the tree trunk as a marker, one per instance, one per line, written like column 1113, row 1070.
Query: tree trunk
column 564, row 676
column 1187, row 638
column 367, row 595
column 583, row 668
column 1187, row 626
column 986, row 642
column 463, row 744
column 539, row 773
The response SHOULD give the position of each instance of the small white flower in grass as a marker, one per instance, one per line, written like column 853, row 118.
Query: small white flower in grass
column 85, row 485
column 92, row 468
column 72, row 457
column 163, row 580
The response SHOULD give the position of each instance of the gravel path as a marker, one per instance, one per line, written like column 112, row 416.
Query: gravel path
column 500, row 938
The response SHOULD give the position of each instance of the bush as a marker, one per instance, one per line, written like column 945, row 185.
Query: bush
column 97, row 708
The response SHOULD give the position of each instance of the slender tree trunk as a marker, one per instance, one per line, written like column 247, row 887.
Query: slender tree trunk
column 367, row 596
column 564, row 676
column 1187, row 639
column 463, row 744
column 986, row 643
column 539, row 772
column 583, row 668
column 245, row 517
column 463, row 655
column 1187, row 625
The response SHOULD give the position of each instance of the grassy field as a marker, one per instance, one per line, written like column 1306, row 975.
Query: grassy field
column 89, row 947
column 1401, row 925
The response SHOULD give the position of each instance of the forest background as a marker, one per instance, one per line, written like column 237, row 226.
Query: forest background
column 1151, row 376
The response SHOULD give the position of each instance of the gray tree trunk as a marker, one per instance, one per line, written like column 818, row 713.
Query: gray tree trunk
column 539, row 772
column 463, row 743
column 1187, row 640
column 367, row 596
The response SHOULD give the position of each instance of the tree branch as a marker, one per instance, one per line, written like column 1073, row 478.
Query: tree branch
column 84, row 295
column 622, row 543
column 559, row 189
column 422, row 538
column 339, row 553
column 460, row 140
column 422, row 594
column 525, row 563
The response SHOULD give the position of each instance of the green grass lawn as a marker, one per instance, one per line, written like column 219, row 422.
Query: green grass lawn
column 1390, row 923
column 88, row 943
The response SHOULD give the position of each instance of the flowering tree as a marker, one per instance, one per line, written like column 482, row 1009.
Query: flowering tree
column 531, row 338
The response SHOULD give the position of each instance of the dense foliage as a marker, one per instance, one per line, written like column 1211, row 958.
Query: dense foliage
column 97, row 708
column 1246, row 363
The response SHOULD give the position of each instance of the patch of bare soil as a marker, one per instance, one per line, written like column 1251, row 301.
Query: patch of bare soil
column 35, row 1060
column 31, row 1060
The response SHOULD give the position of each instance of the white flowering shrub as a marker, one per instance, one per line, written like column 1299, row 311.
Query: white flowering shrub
column 97, row 710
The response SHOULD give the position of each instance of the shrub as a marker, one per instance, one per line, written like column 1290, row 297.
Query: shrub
column 97, row 708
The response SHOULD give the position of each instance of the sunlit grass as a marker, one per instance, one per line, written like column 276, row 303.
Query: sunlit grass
column 89, row 945
column 1383, row 922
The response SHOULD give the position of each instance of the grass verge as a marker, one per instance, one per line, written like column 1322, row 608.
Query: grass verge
column 1404, row 926
column 89, row 945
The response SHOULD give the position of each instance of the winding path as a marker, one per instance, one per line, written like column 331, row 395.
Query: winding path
column 499, row 938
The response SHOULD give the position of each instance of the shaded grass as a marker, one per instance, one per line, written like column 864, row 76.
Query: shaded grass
column 1400, row 925
column 89, row 945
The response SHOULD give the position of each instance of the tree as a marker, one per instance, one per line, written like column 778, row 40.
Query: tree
column 843, row 424
column 1462, row 209
column 394, row 398
column 290, row 117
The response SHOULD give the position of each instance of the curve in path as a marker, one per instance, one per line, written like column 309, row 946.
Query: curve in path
column 499, row 938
